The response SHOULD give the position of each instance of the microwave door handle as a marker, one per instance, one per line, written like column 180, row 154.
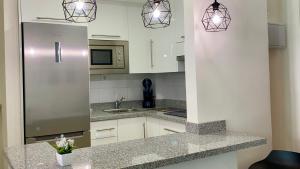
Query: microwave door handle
column 57, row 52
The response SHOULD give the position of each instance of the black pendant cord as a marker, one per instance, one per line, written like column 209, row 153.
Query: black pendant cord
column 216, row 5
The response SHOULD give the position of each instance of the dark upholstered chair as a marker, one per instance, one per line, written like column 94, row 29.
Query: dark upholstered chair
column 279, row 160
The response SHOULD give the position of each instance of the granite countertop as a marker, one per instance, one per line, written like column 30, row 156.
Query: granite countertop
column 138, row 154
column 100, row 115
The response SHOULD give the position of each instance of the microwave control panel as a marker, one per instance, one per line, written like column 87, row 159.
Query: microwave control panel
column 120, row 57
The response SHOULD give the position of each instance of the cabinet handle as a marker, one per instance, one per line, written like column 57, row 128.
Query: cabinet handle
column 106, row 129
column 144, row 127
column 57, row 52
column 151, row 52
column 108, row 36
column 53, row 19
column 106, row 137
column 171, row 130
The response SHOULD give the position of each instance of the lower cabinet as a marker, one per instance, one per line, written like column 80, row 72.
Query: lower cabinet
column 106, row 132
column 153, row 128
column 157, row 127
column 131, row 129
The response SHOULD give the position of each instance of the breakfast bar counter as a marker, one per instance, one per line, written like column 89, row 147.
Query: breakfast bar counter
column 182, row 149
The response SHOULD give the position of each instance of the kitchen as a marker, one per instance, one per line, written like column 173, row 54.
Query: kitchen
column 120, row 48
column 137, row 62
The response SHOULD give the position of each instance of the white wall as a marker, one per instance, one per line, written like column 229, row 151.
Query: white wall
column 10, row 75
column 228, row 72
column 109, row 88
column 293, row 24
column 170, row 86
column 276, row 11
column 280, row 82
column 2, row 88
column 285, row 80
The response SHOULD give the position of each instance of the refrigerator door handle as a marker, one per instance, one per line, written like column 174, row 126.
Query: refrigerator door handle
column 57, row 52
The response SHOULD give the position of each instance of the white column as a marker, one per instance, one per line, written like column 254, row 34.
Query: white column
column 227, row 73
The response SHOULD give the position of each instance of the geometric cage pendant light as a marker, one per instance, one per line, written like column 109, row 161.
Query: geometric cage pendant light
column 156, row 14
column 80, row 11
column 216, row 18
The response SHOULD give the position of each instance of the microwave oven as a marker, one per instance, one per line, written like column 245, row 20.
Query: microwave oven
column 109, row 57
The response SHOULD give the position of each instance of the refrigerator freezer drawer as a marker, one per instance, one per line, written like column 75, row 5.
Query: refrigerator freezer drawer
column 82, row 139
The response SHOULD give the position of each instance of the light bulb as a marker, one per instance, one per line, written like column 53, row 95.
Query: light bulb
column 156, row 13
column 79, row 5
column 216, row 19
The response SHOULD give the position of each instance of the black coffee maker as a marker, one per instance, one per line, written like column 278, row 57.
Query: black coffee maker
column 149, row 101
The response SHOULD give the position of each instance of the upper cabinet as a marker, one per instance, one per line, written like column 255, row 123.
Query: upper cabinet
column 150, row 50
column 156, row 50
column 48, row 11
column 111, row 22
column 34, row 9
column 140, row 50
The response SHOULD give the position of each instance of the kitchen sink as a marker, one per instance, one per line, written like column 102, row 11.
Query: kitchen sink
column 123, row 110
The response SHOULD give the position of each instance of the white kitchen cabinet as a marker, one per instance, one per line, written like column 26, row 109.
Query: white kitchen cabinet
column 155, row 50
column 43, row 10
column 31, row 9
column 152, row 126
column 131, row 129
column 139, row 42
column 111, row 22
column 166, row 40
column 167, row 127
column 104, row 132
column 157, row 127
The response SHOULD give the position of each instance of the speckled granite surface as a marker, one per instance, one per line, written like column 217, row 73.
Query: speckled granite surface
column 102, row 116
column 138, row 154
column 206, row 128
column 98, row 113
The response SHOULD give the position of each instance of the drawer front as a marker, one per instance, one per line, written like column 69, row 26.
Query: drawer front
column 104, row 129
column 167, row 127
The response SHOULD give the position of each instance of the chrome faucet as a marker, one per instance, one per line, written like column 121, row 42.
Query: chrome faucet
column 119, row 102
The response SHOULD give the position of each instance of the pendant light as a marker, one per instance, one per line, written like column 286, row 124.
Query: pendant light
column 80, row 11
column 156, row 14
column 216, row 18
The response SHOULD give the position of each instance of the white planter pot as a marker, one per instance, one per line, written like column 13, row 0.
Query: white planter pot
column 65, row 159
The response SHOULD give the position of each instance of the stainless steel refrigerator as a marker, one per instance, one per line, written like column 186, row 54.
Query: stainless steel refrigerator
column 56, row 82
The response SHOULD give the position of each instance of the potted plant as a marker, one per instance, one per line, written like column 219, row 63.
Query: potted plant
column 64, row 149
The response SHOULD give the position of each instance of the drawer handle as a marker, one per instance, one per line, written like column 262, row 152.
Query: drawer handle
column 171, row 130
column 106, row 129
column 105, row 137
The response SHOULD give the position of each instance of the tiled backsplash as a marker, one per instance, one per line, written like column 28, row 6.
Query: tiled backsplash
column 170, row 86
column 108, row 88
